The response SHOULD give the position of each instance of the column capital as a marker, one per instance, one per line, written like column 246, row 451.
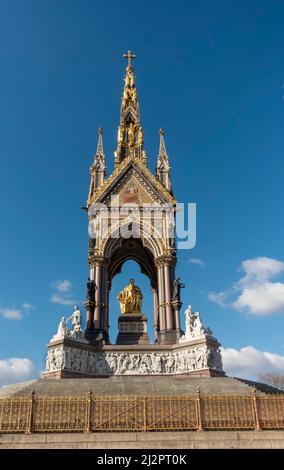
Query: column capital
column 177, row 304
column 89, row 304
column 98, row 261
column 165, row 260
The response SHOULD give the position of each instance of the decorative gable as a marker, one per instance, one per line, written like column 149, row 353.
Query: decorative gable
column 132, row 182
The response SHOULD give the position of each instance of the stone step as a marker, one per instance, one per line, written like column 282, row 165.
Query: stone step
column 146, row 440
column 181, row 385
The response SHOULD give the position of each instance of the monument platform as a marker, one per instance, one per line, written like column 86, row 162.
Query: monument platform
column 137, row 385
column 68, row 357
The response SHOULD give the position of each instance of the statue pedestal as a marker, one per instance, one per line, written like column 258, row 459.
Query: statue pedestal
column 132, row 329
column 72, row 358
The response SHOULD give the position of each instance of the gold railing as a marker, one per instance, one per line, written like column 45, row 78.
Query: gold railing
column 91, row 413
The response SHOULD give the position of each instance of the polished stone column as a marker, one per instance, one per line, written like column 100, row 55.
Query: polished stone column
column 106, row 287
column 168, row 298
column 98, row 277
column 177, row 318
column 162, row 319
column 92, row 274
column 156, row 316
column 90, row 306
column 103, row 298
column 90, row 316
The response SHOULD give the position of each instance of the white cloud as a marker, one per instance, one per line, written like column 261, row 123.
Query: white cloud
column 259, row 270
column 27, row 307
column 62, row 295
column 59, row 299
column 257, row 294
column 11, row 313
column 249, row 363
column 62, row 286
column 218, row 297
column 16, row 313
column 197, row 261
column 262, row 299
column 16, row 369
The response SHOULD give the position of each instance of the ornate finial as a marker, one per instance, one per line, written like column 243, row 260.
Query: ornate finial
column 163, row 166
column 98, row 167
column 129, row 56
column 100, row 150
column 162, row 149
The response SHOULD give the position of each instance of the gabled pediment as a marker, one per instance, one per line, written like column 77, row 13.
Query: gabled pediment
column 131, row 190
column 132, row 182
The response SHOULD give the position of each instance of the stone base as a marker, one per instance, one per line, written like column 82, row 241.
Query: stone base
column 70, row 358
column 64, row 374
column 132, row 329
column 147, row 440
column 169, row 337
column 96, row 337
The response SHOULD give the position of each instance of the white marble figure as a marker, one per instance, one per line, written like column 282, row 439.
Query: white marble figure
column 76, row 318
column 76, row 332
column 194, row 327
column 62, row 330
column 62, row 327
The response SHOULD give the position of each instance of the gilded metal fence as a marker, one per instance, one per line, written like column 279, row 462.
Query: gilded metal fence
column 140, row 413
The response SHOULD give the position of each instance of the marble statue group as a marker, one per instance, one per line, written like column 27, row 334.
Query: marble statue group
column 75, row 332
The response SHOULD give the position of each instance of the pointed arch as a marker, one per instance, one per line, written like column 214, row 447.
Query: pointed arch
column 148, row 234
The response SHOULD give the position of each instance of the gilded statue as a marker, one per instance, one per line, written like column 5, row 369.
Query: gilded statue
column 128, row 78
column 133, row 94
column 140, row 136
column 130, row 299
column 131, row 79
column 120, row 134
column 125, row 94
column 131, row 134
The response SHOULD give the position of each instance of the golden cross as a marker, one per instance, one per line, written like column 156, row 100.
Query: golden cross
column 129, row 56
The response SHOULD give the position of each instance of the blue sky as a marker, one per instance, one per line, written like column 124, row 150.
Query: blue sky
column 211, row 74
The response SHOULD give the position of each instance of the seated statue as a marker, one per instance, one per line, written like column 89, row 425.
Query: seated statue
column 130, row 299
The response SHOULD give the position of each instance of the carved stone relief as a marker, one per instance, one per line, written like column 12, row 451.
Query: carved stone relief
column 136, row 363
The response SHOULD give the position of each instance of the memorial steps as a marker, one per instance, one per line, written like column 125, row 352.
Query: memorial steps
column 170, row 385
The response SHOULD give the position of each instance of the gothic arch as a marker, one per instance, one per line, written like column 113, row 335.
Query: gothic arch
column 132, row 249
column 148, row 235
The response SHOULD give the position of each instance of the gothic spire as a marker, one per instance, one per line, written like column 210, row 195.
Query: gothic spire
column 163, row 166
column 100, row 149
column 130, row 139
column 98, row 167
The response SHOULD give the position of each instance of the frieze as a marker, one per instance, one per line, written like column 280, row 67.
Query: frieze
column 136, row 363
